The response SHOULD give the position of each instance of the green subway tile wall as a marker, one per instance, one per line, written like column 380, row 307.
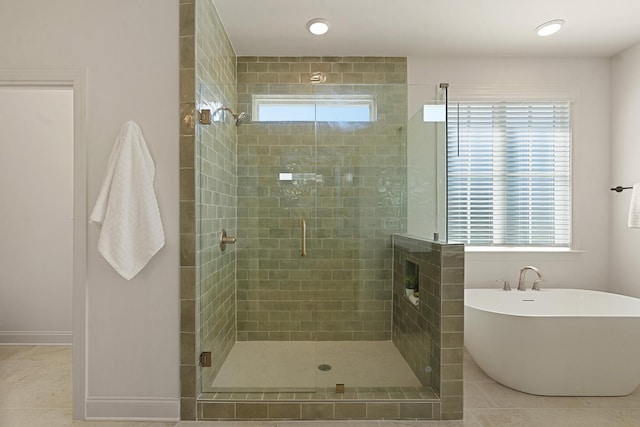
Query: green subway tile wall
column 349, row 184
column 188, row 342
column 430, row 335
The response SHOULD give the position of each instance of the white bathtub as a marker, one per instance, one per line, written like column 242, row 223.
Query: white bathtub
column 555, row 342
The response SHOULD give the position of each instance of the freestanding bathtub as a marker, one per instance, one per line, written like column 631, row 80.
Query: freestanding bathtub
column 555, row 342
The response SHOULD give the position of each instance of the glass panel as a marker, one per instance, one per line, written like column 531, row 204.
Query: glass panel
column 216, row 204
column 362, row 202
column 426, row 167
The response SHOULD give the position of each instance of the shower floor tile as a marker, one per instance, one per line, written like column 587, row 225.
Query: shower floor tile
column 294, row 365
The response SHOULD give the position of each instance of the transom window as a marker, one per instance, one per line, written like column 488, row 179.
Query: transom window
column 306, row 108
column 508, row 166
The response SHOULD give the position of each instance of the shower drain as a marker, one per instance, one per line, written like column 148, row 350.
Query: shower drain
column 324, row 367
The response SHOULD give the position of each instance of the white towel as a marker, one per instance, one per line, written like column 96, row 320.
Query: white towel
column 127, row 207
column 634, row 207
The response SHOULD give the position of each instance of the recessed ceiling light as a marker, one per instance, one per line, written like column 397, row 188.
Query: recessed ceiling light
column 318, row 26
column 549, row 28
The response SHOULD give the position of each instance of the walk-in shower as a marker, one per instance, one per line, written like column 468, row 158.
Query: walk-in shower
column 321, row 171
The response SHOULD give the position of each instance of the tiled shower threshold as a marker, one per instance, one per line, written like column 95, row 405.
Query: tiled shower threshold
column 361, row 403
column 358, row 393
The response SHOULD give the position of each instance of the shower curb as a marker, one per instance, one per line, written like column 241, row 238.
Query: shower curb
column 318, row 409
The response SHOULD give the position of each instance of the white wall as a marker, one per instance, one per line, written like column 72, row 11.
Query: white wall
column 588, row 82
column 625, row 169
column 36, row 249
column 129, row 49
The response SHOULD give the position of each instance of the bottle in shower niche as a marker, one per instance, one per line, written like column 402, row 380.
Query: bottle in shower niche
column 411, row 278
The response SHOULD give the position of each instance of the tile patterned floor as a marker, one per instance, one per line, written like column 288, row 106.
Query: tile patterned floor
column 35, row 391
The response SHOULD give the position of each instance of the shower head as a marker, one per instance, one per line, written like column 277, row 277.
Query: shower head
column 238, row 118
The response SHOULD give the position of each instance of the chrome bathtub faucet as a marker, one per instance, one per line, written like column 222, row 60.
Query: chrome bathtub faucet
column 536, row 284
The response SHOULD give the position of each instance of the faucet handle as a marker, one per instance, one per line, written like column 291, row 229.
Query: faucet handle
column 505, row 284
column 536, row 284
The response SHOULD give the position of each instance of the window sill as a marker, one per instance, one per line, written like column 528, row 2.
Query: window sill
column 508, row 249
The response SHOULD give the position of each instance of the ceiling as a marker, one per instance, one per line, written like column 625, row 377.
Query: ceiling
column 594, row 28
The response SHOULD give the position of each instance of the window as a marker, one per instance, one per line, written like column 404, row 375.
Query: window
column 306, row 108
column 508, row 166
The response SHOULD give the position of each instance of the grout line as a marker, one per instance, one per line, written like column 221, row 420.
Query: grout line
column 487, row 396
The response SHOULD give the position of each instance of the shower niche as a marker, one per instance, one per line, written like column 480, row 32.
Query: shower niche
column 412, row 281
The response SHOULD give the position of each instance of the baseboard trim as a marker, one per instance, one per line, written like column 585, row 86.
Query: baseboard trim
column 133, row 409
column 36, row 337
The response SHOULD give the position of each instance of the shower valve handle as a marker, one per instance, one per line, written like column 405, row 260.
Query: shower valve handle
column 224, row 240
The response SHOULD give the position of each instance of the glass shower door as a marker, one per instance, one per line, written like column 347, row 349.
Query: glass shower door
column 276, row 277
column 258, row 180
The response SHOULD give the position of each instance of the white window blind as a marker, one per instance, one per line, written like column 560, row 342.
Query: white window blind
column 508, row 166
